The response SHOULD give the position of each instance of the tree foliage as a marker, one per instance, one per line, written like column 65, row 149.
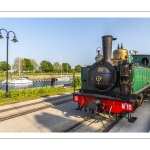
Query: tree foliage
column 28, row 66
column 72, row 71
column 78, row 68
column 15, row 65
column 66, row 67
column 46, row 66
column 57, row 67
column 3, row 66
column 34, row 63
column 77, row 81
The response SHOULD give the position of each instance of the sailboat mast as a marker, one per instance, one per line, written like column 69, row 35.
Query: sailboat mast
column 19, row 64
column 61, row 65
column 67, row 69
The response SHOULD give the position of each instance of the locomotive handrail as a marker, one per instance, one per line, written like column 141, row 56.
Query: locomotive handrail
column 110, row 110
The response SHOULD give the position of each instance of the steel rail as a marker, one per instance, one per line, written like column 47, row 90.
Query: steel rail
column 78, row 124
column 33, row 110
column 106, row 127
column 34, row 103
column 109, row 127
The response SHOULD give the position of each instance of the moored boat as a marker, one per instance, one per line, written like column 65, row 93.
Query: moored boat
column 65, row 78
column 21, row 80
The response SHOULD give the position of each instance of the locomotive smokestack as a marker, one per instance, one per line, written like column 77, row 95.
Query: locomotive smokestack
column 107, row 47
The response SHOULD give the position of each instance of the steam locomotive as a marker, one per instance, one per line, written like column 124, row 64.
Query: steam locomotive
column 114, row 85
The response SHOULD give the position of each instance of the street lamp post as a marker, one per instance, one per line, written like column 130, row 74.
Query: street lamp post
column 13, row 40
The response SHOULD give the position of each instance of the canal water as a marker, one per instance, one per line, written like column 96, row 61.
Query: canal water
column 32, row 85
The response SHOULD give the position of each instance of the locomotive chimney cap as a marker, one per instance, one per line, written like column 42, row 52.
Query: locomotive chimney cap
column 109, row 36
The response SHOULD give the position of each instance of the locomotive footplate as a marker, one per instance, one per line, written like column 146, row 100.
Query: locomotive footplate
column 96, row 96
column 103, row 103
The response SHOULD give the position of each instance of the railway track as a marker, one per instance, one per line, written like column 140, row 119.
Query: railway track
column 78, row 124
column 51, row 99
column 106, row 123
column 106, row 127
column 110, row 126
column 9, row 113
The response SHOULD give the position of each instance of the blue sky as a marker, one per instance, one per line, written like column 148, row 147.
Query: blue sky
column 76, row 39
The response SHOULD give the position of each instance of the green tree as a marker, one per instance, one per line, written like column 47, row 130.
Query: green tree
column 46, row 66
column 3, row 66
column 78, row 68
column 77, row 81
column 66, row 67
column 28, row 66
column 72, row 71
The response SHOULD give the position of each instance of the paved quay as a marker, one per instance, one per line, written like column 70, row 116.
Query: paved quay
column 53, row 119
column 60, row 117
column 28, row 106
column 141, row 124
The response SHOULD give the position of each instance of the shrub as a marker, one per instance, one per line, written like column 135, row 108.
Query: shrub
column 76, row 82
column 2, row 94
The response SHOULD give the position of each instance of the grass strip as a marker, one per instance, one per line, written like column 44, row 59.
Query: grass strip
column 16, row 96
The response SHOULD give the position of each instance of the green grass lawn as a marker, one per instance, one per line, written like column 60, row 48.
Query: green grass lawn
column 16, row 96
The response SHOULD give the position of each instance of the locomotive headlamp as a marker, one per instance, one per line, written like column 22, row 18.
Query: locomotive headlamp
column 99, row 57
